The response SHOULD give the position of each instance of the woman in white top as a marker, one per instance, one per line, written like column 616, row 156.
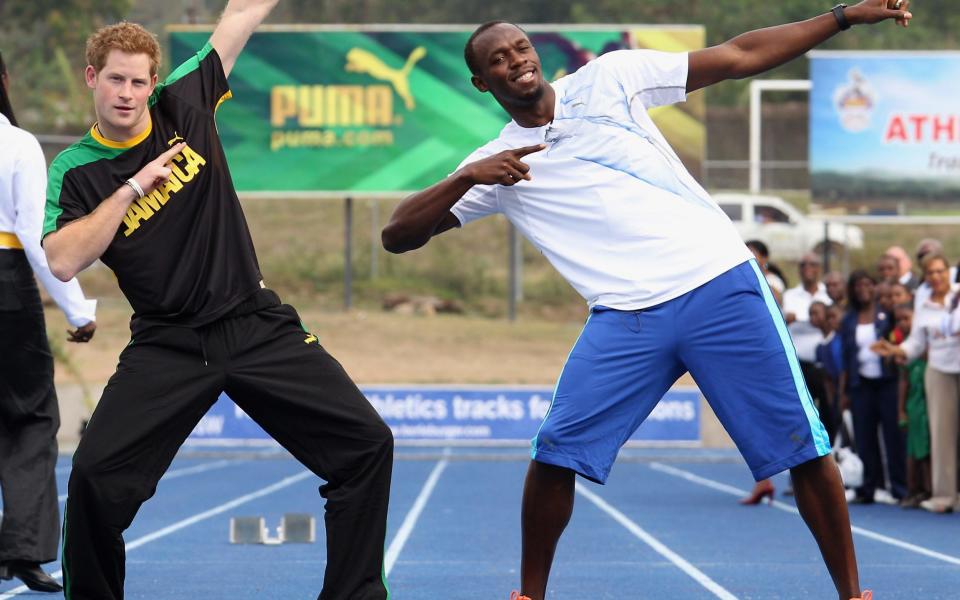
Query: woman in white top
column 931, row 335
column 29, row 416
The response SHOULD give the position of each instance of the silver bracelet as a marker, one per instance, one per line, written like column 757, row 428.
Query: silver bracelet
column 135, row 186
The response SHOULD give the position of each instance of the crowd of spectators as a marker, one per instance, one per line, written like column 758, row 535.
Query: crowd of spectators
column 880, row 353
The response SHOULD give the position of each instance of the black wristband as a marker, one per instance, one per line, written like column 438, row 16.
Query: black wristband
column 840, row 17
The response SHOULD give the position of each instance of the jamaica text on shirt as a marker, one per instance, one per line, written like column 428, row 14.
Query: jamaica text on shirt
column 184, row 167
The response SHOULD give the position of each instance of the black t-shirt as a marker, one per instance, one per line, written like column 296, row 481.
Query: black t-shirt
column 183, row 254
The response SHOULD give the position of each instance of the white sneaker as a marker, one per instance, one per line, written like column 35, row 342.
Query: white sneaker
column 935, row 507
column 884, row 497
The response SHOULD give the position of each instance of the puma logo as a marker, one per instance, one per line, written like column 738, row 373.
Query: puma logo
column 363, row 61
column 176, row 138
column 310, row 339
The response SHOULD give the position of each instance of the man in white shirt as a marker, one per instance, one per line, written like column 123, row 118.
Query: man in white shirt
column 29, row 416
column 796, row 308
column 584, row 174
column 797, row 300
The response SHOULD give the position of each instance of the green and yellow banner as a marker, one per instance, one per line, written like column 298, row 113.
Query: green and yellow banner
column 388, row 109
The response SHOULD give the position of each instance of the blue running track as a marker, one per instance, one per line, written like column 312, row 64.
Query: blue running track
column 667, row 525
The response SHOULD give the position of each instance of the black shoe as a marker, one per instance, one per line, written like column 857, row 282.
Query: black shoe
column 33, row 576
column 862, row 499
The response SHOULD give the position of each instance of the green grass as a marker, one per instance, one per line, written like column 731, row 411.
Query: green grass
column 469, row 265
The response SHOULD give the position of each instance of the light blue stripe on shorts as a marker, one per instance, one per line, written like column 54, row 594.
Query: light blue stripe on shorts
column 816, row 427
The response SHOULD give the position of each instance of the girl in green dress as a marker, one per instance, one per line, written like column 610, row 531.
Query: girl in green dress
column 913, row 417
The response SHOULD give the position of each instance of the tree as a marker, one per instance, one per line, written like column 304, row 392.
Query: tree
column 43, row 40
column 43, row 45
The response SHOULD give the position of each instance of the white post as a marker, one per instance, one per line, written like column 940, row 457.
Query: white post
column 755, row 100
column 757, row 87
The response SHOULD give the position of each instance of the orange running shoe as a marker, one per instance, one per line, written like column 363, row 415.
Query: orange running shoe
column 515, row 595
column 866, row 595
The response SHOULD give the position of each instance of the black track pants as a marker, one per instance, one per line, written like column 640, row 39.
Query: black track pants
column 29, row 419
column 166, row 380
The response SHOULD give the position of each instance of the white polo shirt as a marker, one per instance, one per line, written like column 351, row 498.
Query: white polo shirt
column 930, row 333
column 610, row 205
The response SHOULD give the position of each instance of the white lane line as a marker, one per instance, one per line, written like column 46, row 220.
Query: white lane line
column 695, row 573
column 716, row 485
column 201, row 468
column 218, row 510
column 873, row 535
column 150, row 537
column 410, row 521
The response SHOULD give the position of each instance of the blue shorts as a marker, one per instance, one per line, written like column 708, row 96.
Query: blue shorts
column 729, row 334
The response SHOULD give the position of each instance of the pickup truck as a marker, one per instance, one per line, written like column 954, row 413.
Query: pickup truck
column 784, row 229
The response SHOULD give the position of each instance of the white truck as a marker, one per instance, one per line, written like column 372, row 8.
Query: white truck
column 786, row 231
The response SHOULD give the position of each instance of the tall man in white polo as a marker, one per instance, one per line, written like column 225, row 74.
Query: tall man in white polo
column 584, row 174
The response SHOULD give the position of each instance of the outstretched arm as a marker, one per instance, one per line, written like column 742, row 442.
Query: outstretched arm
column 427, row 213
column 424, row 215
column 238, row 21
column 758, row 51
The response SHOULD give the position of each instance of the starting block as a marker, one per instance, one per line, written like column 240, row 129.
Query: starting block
column 294, row 528
column 247, row 530
column 298, row 528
